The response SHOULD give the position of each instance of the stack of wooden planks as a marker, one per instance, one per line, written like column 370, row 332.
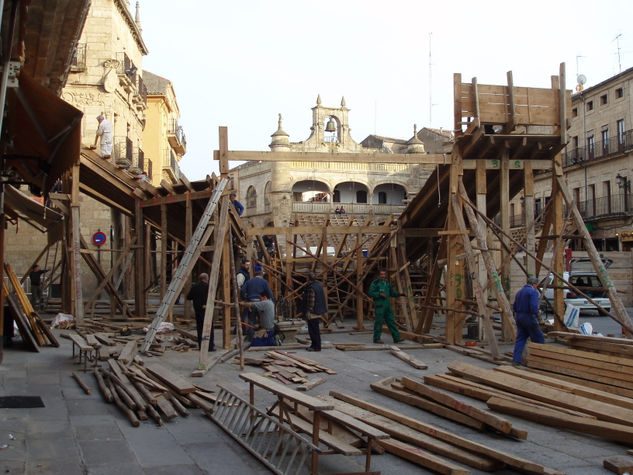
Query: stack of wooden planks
column 149, row 392
column 430, row 446
column 288, row 368
column 429, row 399
column 34, row 331
column 604, row 371
column 541, row 398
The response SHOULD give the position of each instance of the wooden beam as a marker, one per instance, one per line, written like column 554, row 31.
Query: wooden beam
column 223, row 152
column 139, row 262
column 353, row 157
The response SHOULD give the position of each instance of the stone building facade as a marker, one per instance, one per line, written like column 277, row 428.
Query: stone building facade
column 272, row 192
column 598, row 162
column 105, row 78
column 163, row 138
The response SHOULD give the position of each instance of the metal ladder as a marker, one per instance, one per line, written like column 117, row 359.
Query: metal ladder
column 198, row 239
column 277, row 446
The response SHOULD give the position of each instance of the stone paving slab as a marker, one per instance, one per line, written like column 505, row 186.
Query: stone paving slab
column 79, row 433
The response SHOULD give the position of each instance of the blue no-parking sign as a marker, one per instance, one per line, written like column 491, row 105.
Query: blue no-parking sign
column 99, row 238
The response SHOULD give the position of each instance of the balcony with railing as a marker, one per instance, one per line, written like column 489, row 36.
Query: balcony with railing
column 606, row 207
column 621, row 143
column 78, row 61
column 171, row 167
column 314, row 207
column 176, row 137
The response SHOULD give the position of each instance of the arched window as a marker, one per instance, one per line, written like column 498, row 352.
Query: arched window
column 267, row 195
column 251, row 198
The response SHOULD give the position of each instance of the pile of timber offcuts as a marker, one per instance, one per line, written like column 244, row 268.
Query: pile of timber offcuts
column 546, row 398
column 33, row 330
column 288, row 368
column 424, row 444
column 110, row 340
column 148, row 392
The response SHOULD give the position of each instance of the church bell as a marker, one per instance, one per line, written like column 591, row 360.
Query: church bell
column 331, row 125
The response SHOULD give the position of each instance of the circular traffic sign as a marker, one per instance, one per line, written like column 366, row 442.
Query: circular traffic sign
column 99, row 238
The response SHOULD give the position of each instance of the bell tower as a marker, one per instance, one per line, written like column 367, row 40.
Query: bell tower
column 330, row 129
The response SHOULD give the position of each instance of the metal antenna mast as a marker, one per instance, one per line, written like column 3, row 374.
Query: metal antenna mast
column 617, row 40
column 430, row 83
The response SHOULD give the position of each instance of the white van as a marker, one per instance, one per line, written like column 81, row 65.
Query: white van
column 585, row 278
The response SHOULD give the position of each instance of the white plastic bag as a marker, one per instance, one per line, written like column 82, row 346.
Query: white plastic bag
column 61, row 318
column 572, row 316
column 164, row 327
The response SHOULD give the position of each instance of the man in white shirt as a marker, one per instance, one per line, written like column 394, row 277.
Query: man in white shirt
column 105, row 132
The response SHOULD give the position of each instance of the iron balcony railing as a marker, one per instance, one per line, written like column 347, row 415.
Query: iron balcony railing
column 356, row 208
column 176, row 129
column 78, row 61
column 604, row 207
column 619, row 144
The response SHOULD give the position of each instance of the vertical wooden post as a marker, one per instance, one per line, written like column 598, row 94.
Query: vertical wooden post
column 454, row 273
column 558, row 223
column 528, row 213
column 3, row 220
column 504, row 207
column 359, row 281
column 164, row 242
column 227, row 278
column 139, row 264
column 188, row 234
column 78, row 306
column 224, row 147
column 481, row 186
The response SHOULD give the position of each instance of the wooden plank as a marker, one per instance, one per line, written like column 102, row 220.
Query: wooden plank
column 577, row 371
column 311, row 384
column 310, row 402
column 411, row 436
column 427, row 405
column 601, row 410
column 446, row 436
column 577, row 355
column 607, row 430
column 497, row 423
column 328, row 439
column 619, row 373
column 573, row 388
column 165, row 407
column 619, row 464
column 421, row 457
column 171, row 379
column 352, row 157
column 407, row 358
column 355, row 424
column 483, row 392
column 128, row 352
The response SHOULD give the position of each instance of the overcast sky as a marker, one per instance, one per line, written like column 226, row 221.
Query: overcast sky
column 241, row 62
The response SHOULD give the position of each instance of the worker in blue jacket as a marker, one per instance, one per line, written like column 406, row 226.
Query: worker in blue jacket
column 526, row 313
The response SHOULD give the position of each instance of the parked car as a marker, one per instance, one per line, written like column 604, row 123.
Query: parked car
column 585, row 278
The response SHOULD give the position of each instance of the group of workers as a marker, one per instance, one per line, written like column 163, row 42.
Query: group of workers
column 259, row 308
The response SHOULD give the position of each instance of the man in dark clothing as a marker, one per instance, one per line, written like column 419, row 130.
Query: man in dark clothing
column 243, row 274
column 251, row 291
column 198, row 295
column 239, row 207
column 526, row 315
column 381, row 291
column 36, row 287
column 314, row 307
